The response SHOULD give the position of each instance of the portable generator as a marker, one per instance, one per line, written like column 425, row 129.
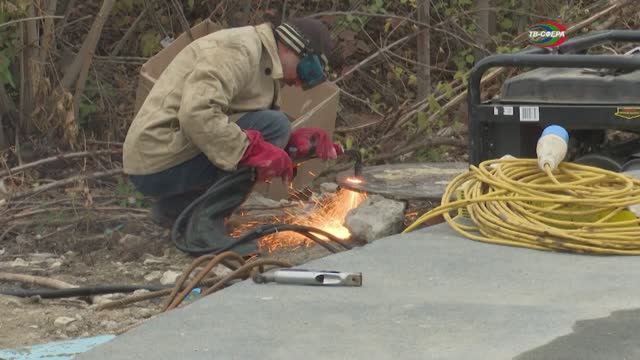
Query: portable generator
column 596, row 98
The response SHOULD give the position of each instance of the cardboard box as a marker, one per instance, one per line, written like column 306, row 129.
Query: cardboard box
column 152, row 69
column 316, row 107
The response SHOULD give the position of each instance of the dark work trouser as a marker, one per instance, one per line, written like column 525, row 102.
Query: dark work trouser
column 175, row 188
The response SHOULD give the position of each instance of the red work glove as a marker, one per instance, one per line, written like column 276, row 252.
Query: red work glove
column 312, row 142
column 269, row 160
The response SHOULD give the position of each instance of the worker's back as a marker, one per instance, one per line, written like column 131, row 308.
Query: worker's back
column 233, row 67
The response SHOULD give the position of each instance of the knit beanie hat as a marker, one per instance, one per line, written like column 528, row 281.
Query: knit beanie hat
column 304, row 34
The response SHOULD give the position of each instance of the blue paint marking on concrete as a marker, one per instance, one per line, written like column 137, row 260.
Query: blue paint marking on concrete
column 60, row 350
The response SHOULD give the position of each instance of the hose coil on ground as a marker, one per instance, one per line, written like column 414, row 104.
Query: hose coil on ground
column 576, row 208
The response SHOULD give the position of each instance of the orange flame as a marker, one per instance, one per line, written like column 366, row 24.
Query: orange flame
column 327, row 214
column 354, row 180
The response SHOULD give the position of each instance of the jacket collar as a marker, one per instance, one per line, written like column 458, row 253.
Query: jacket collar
column 265, row 32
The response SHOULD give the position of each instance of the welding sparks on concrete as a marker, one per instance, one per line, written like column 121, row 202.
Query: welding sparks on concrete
column 354, row 180
column 327, row 214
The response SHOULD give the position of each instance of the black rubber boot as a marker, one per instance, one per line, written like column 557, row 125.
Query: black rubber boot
column 205, row 230
column 165, row 211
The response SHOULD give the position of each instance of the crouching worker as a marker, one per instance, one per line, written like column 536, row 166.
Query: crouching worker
column 213, row 111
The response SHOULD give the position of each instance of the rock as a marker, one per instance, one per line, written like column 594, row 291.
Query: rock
column 40, row 257
column 32, row 299
column 102, row 299
column 150, row 260
column 141, row 292
column 63, row 321
column 55, row 265
column 109, row 324
column 329, row 187
column 169, row 277
column 221, row 270
column 132, row 247
column 446, row 131
column 22, row 240
column 129, row 241
column 19, row 263
column 142, row 313
column 153, row 276
column 257, row 201
column 10, row 300
column 375, row 218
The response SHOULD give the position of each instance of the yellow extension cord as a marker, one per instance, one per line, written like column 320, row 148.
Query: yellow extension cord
column 576, row 208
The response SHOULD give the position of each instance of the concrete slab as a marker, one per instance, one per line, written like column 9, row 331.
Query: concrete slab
column 406, row 181
column 426, row 295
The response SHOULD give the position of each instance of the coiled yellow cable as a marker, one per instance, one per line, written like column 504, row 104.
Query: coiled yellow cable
column 575, row 208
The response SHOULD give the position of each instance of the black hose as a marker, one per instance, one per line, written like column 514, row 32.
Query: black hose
column 80, row 291
column 217, row 188
column 269, row 229
column 221, row 189
column 300, row 229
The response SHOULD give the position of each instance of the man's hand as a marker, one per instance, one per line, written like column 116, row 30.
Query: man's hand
column 307, row 143
column 269, row 160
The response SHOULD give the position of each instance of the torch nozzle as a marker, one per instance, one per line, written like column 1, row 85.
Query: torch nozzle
column 355, row 155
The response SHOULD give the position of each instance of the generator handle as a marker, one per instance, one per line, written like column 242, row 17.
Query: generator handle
column 584, row 42
column 553, row 60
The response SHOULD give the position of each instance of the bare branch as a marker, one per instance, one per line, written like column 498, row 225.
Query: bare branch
column 359, row 126
column 36, row 280
column 361, row 100
column 438, row 141
column 29, row 19
column 108, row 143
column 122, row 59
column 375, row 55
column 61, row 157
column 182, row 19
column 130, row 31
column 61, row 183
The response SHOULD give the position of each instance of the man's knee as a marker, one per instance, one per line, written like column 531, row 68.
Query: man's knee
column 281, row 126
column 274, row 125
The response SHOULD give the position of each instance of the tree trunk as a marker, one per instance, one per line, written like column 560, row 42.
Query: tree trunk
column 28, row 57
column 8, row 115
column 4, row 140
column 523, row 22
column 48, row 35
column 424, row 50
column 88, row 46
column 486, row 20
